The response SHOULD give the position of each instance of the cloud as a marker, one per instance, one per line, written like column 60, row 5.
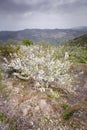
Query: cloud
column 23, row 6
column 16, row 14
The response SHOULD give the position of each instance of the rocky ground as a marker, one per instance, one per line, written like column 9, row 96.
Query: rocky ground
column 39, row 91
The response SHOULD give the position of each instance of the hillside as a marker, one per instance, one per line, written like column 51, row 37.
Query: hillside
column 43, row 87
column 78, row 41
column 43, row 35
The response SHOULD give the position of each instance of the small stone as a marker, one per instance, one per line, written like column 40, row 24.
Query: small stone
column 44, row 106
column 37, row 108
column 31, row 124
column 25, row 111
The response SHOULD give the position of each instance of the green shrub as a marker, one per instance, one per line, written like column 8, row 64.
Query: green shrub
column 2, row 87
column 78, row 54
column 1, row 116
column 3, row 90
column 6, row 120
column 67, row 115
column 64, row 105
column 6, row 50
column 27, row 42
column 12, row 128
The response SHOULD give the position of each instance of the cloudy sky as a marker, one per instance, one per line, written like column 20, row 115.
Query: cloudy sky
column 21, row 14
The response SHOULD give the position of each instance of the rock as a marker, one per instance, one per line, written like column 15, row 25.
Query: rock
column 36, row 109
column 44, row 106
column 25, row 111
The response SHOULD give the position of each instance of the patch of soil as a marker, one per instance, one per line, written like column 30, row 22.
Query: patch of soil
column 28, row 108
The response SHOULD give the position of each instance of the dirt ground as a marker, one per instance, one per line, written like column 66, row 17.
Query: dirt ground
column 26, row 106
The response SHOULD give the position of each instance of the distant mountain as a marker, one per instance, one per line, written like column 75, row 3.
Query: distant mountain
column 79, row 41
column 43, row 35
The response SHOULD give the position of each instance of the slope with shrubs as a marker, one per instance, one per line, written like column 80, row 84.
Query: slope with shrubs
column 78, row 41
column 77, row 49
column 43, row 89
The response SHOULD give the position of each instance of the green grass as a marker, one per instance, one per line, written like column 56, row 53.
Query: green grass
column 65, row 106
column 3, row 91
column 12, row 128
column 2, row 87
column 6, row 120
column 50, row 95
column 67, row 115
column 1, row 117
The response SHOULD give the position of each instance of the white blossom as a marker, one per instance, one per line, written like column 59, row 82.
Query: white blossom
column 39, row 63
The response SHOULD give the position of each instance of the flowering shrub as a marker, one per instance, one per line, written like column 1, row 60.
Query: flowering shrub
column 40, row 63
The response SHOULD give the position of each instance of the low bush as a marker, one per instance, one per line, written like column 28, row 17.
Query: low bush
column 64, row 105
column 6, row 50
column 27, row 42
column 67, row 115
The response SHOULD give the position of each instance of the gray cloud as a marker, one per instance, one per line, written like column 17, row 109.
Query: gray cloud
column 17, row 14
column 22, row 6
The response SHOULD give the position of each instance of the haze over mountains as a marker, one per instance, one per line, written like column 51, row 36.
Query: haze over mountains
column 44, row 35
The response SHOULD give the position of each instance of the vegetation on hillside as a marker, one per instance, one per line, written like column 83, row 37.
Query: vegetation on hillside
column 77, row 49
column 8, row 49
column 39, row 88
column 78, row 41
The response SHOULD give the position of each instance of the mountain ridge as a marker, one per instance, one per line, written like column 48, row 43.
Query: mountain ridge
column 43, row 35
